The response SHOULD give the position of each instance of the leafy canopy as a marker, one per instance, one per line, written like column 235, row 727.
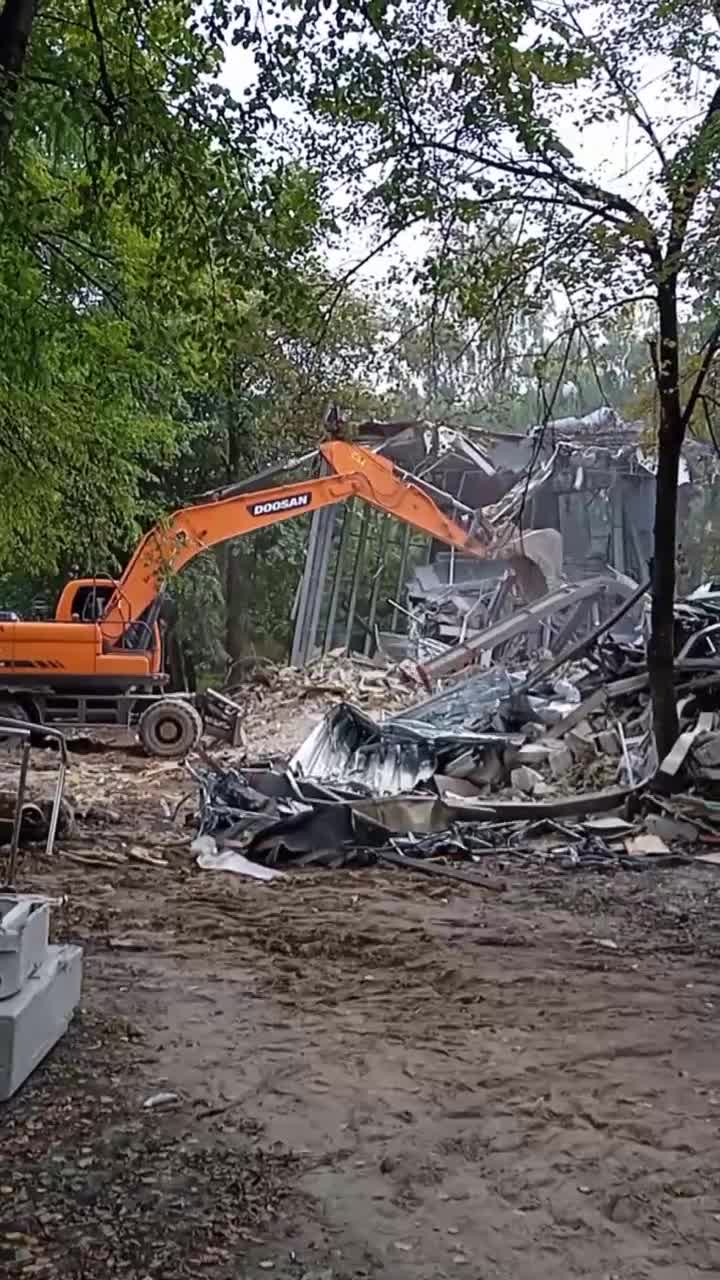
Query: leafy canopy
column 138, row 226
column 436, row 115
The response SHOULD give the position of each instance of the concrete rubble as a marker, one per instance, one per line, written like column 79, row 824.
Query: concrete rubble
column 550, row 763
column 280, row 700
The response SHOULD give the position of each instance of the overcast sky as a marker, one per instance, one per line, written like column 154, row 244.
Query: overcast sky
column 619, row 155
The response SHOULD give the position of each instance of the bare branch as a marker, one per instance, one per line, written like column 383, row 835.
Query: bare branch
column 686, row 196
column 709, row 425
column 104, row 73
column 712, row 346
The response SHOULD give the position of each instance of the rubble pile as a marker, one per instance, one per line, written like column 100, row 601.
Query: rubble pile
column 331, row 676
column 275, row 699
column 551, row 765
column 511, row 719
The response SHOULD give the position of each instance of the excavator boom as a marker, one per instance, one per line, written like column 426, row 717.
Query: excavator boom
column 354, row 472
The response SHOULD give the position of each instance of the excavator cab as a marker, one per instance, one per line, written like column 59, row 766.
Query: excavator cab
column 84, row 600
column 87, row 599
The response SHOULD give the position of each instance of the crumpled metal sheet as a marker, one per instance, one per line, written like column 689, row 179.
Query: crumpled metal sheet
column 336, row 832
column 423, row 814
column 506, row 511
column 396, row 756
column 472, row 704
column 328, row 829
column 230, row 807
column 348, row 747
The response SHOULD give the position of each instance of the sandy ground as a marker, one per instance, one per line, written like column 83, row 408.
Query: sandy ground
column 377, row 1075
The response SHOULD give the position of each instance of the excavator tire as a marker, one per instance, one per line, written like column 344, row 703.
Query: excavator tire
column 170, row 728
column 10, row 710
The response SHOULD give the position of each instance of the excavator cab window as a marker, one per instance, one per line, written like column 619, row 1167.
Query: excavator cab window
column 138, row 636
column 144, row 633
column 90, row 602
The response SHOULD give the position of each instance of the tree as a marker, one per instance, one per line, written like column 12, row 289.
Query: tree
column 265, row 408
column 138, row 223
column 442, row 365
column 438, row 115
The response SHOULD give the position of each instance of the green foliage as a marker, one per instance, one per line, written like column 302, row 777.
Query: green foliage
column 199, row 599
column 268, row 409
column 139, row 225
column 168, row 325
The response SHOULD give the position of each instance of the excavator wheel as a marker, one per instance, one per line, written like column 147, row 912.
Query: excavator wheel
column 10, row 710
column 170, row 728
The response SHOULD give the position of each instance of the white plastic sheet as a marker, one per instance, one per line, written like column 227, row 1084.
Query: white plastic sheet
column 210, row 859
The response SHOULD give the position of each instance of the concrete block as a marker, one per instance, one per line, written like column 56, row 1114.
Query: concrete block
column 32, row 1021
column 489, row 772
column 525, row 779
column 560, row 762
column 24, row 925
column 534, row 753
column 532, row 730
column 609, row 743
column 706, row 752
column 581, row 742
column 550, row 713
column 544, row 790
column 671, row 829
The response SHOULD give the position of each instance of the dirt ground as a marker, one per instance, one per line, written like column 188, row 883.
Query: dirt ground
column 376, row 1075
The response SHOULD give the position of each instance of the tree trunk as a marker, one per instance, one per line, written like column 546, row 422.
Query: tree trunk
column 236, row 569
column 16, row 22
column 236, row 584
column 661, row 649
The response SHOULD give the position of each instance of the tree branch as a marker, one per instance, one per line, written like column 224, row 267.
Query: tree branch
column 106, row 291
column 396, row 77
column 709, row 425
column 104, row 73
column 684, row 200
column 50, row 233
column 630, row 99
column 576, row 203
column 595, row 199
column 711, row 349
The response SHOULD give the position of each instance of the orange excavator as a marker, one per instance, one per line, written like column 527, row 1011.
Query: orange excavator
column 100, row 662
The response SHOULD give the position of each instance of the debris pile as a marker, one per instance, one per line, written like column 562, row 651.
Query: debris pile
column 570, row 612
column 551, row 765
column 331, row 676
column 276, row 701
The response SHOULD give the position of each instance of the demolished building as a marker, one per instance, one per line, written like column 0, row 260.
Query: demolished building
column 577, row 495
column 514, row 723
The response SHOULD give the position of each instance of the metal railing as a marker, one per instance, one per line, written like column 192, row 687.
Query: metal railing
column 23, row 732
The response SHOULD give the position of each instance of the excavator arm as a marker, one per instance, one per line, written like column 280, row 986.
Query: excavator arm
column 355, row 472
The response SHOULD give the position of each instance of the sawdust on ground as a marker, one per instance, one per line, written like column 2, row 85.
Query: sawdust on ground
column 282, row 705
